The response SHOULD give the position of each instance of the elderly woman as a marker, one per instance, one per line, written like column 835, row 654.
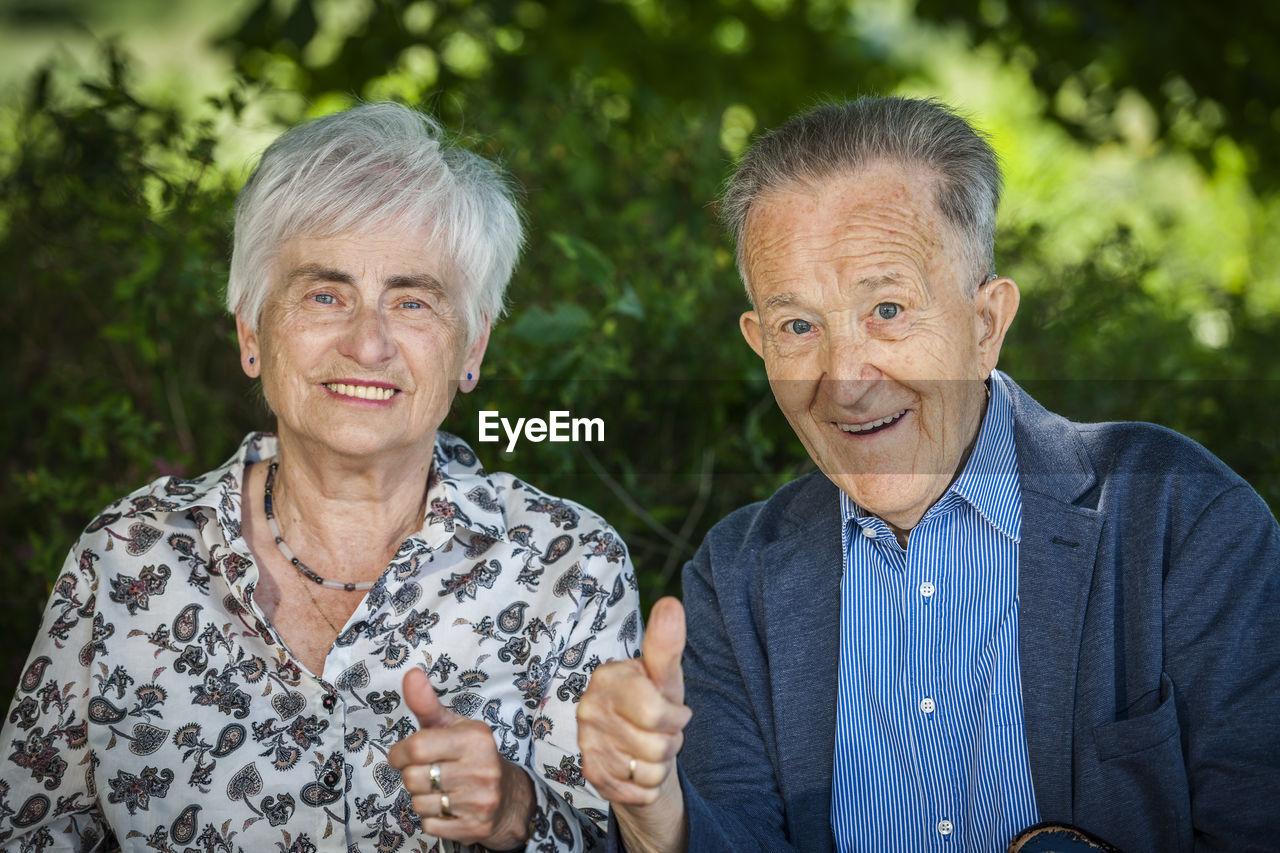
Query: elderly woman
column 349, row 636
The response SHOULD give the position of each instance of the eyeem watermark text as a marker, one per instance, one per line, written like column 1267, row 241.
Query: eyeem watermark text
column 559, row 426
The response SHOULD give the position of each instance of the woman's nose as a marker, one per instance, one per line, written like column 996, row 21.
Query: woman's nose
column 369, row 341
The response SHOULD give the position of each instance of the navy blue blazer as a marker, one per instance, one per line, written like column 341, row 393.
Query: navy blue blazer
column 1149, row 588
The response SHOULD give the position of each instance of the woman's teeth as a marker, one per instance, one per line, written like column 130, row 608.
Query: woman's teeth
column 364, row 392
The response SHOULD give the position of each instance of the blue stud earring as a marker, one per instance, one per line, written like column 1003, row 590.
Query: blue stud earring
column 468, row 375
column 251, row 359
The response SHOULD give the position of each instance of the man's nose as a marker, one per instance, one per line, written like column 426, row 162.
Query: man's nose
column 368, row 340
column 848, row 366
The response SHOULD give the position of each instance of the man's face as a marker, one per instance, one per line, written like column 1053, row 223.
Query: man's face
column 874, row 350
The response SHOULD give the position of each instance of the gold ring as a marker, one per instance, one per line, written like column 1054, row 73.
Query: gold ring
column 444, row 806
column 631, row 771
column 434, row 775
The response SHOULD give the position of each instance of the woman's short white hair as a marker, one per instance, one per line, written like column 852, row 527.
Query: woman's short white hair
column 376, row 165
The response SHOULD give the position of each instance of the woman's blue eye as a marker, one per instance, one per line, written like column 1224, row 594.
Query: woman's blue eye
column 411, row 304
column 799, row 327
column 324, row 298
column 887, row 310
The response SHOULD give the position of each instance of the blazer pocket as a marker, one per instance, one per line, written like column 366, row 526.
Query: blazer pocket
column 1136, row 734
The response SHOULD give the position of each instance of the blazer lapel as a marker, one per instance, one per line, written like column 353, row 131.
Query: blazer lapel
column 801, row 575
column 1056, row 555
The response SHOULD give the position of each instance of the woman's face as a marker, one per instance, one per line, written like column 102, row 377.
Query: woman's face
column 361, row 344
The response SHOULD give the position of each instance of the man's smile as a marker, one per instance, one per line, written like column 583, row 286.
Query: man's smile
column 869, row 427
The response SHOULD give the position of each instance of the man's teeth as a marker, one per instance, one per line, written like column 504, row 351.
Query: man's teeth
column 364, row 392
column 888, row 419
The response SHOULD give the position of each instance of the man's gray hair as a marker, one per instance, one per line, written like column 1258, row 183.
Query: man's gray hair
column 371, row 167
column 844, row 137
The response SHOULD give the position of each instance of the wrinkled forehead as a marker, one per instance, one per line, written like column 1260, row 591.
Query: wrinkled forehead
column 906, row 190
column 386, row 241
column 877, row 213
column 389, row 256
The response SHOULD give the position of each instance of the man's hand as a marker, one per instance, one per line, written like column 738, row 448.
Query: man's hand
column 461, row 787
column 630, row 728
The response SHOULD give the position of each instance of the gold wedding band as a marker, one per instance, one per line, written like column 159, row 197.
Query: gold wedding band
column 444, row 806
column 434, row 775
column 631, row 771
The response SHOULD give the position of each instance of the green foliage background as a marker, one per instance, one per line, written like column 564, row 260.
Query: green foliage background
column 1141, row 222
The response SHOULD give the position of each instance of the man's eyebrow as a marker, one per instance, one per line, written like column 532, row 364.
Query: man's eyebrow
column 871, row 283
column 778, row 300
column 879, row 282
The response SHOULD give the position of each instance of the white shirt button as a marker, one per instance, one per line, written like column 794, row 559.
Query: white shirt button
column 945, row 827
column 869, row 532
column 926, row 705
column 927, row 589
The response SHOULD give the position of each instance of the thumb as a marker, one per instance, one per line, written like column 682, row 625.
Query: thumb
column 421, row 698
column 663, row 647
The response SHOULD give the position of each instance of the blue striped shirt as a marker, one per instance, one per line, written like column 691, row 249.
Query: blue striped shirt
column 930, row 750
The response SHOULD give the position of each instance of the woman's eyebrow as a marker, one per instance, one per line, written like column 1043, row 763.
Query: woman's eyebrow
column 423, row 281
column 319, row 272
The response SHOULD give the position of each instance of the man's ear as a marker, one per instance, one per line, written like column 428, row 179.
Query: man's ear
column 470, row 372
column 995, row 306
column 749, row 323
column 250, row 352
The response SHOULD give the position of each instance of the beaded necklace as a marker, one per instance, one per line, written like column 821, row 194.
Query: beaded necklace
column 302, row 567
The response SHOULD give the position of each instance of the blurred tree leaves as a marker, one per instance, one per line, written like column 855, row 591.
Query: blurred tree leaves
column 1140, row 221
column 1206, row 69
column 114, row 238
column 623, row 56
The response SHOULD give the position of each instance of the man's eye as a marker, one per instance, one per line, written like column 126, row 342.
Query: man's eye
column 410, row 304
column 798, row 327
column 887, row 310
column 324, row 298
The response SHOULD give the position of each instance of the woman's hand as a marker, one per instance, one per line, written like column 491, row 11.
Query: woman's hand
column 461, row 787
column 630, row 728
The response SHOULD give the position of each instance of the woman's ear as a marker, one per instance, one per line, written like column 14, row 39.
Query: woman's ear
column 470, row 370
column 250, row 353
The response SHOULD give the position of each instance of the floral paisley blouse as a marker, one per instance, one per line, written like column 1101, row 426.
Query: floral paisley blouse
column 158, row 711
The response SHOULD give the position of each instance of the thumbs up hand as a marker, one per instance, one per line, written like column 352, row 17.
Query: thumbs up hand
column 422, row 700
column 631, row 723
column 662, row 648
column 460, row 786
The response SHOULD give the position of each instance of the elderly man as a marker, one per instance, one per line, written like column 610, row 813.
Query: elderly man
column 976, row 616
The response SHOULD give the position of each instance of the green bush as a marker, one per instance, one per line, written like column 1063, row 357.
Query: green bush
column 114, row 222
column 114, row 240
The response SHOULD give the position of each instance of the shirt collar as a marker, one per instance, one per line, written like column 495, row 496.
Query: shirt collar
column 460, row 493
column 989, row 481
column 221, row 488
